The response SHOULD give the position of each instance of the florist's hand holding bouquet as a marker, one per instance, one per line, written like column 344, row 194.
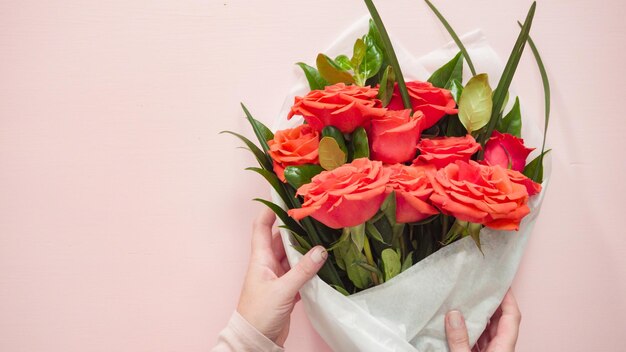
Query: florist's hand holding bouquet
column 385, row 173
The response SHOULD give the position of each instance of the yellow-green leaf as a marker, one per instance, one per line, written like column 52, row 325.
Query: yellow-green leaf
column 330, row 154
column 331, row 72
column 476, row 103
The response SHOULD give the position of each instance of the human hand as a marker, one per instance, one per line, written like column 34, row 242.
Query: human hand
column 270, row 289
column 500, row 335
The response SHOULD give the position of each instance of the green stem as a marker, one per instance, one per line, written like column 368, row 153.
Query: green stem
column 393, row 60
column 370, row 259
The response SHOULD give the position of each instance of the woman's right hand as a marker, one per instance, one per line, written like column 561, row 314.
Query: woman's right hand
column 499, row 336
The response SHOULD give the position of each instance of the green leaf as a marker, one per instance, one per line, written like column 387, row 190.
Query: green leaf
column 357, row 234
column 454, row 36
column 360, row 144
column 284, row 217
column 448, row 73
column 507, row 77
column 299, row 175
column 456, row 89
column 331, row 72
column 372, row 60
column 512, row 122
column 258, row 153
column 385, row 91
column 389, row 53
column 389, row 208
column 360, row 277
column 335, row 133
column 341, row 290
column 534, row 169
column 330, row 154
column 408, row 262
column 302, row 242
column 316, row 82
column 475, row 104
column 358, row 53
column 546, row 96
column 344, row 62
column 391, row 263
column 273, row 180
column 258, row 132
column 373, row 232
column 473, row 230
column 266, row 133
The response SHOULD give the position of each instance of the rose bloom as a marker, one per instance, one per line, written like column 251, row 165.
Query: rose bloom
column 480, row 194
column 432, row 101
column 446, row 150
column 296, row 146
column 504, row 148
column 413, row 189
column 393, row 137
column 346, row 196
column 532, row 187
column 341, row 106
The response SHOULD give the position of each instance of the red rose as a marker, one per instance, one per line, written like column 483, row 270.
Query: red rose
column 341, row 106
column 505, row 149
column 346, row 196
column 480, row 194
column 446, row 150
column 432, row 101
column 532, row 187
column 393, row 137
column 294, row 146
column 412, row 189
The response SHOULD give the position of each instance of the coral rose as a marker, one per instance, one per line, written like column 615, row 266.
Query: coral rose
column 446, row 150
column 341, row 106
column 413, row 189
column 504, row 149
column 393, row 137
column 532, row 187
column 480, row 194
column 346, row 196
column 296, row 146
column 432, row 101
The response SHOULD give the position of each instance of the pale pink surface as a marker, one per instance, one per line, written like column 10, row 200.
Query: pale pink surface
column 125, row 218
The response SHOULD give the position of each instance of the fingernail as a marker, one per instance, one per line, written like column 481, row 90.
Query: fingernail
column 455, row 318
column 319, row 254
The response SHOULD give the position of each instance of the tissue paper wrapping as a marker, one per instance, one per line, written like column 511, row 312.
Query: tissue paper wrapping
column 407, row 312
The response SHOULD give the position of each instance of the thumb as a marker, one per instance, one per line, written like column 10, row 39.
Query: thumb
column 456, row 332
column 306, row 269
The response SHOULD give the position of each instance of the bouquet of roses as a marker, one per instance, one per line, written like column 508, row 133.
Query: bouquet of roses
column 420, row 191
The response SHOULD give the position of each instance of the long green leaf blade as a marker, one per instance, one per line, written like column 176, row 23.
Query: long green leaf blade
column 273, row 180
column 546, row 95
column 454, row 36
column 502, row 89
column 391, row 54
column 258, row 153
column 283, row 216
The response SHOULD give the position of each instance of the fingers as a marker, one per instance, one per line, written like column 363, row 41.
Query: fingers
column 277, row 246
column 456, row 332
column 508, row 324
column 306, row 269
column 262, row 232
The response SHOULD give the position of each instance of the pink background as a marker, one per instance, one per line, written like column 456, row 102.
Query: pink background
column 125, row 217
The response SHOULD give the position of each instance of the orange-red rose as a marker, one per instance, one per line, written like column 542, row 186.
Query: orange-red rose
column 432, row 101
column 446, row 150
column 341, row 106
column 296, row 146
column 413, row 189
column 393, row 137
column 480, row 194
column 504, row 149
column 346, row 196
column 532, row 187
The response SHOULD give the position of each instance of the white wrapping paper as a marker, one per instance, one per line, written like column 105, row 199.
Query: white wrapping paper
column 407, row 313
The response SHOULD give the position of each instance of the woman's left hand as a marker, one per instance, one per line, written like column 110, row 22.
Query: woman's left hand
column 270, row 289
